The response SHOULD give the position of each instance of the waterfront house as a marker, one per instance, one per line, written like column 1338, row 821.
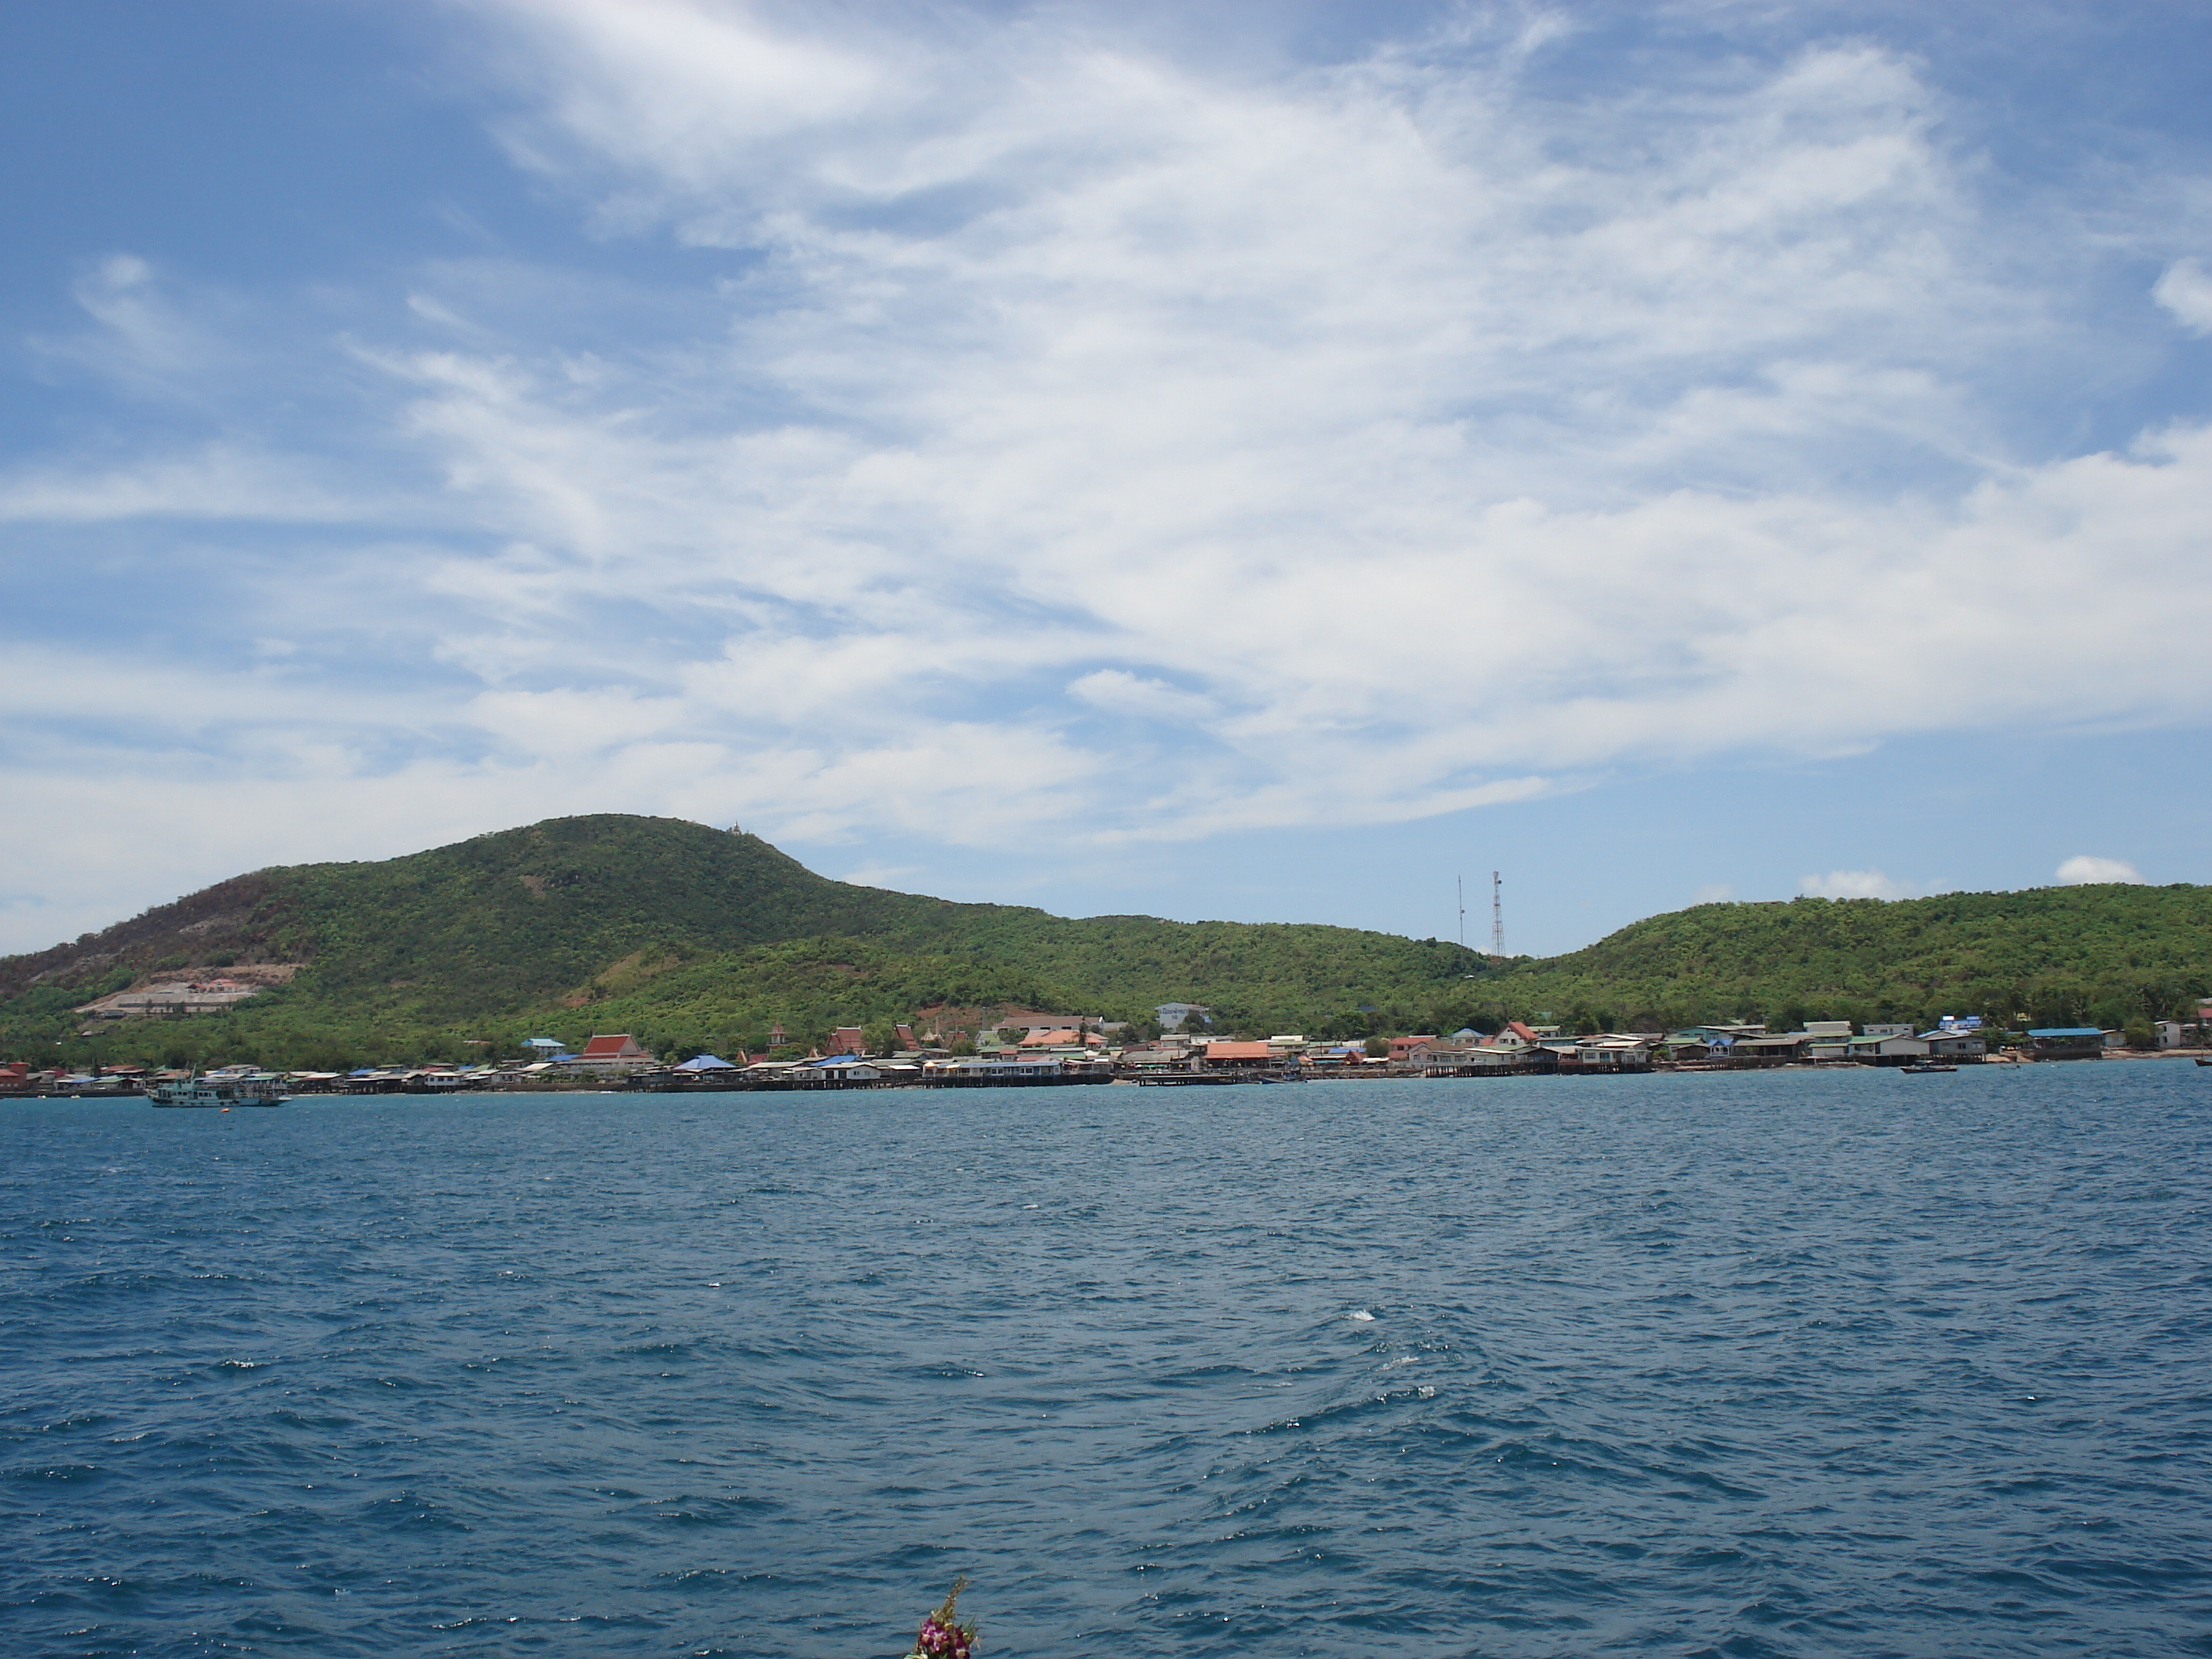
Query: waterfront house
column 699, row 1063
column 1955, row 1043
column 1827, row 1039
column 619, row 1052
column 1333, row 1056
column 1420, row 1051
column 1442, row 1058
column 991, row 1073
column 1237, row 1056
column 2067, row 1042
column 1155, row 1056
column 1783, row 1048
column 1888, row 1047
column 1612, row 1052
column 837, row 1071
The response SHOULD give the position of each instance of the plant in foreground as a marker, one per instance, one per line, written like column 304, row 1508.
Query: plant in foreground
column 939, row 1637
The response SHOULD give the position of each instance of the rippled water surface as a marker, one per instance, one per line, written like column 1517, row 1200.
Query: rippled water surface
column 1808, row 1364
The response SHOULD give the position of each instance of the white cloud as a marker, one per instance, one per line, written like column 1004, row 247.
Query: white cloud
column 1118, row 691
column 2085, row 869
column 1183, row 450
column 2186, row 291
column 1865, row 884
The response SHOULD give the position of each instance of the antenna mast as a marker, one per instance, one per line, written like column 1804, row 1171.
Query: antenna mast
column 1497, row 916
column 1461, row 881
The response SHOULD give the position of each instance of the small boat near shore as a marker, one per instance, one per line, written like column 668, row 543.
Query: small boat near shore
column 224, row 1093
column 1184, row 1079
column 1919, row 1071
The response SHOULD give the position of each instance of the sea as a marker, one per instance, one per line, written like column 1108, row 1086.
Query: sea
column 1839, row 1362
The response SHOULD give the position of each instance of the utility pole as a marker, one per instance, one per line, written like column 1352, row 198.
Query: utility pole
column 1497, row 915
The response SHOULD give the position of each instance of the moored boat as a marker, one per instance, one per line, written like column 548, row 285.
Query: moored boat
column 225, row 1092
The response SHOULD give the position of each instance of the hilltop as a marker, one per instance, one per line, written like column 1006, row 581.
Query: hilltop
column 691, row 936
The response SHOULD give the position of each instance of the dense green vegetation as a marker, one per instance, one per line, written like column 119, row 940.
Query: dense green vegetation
column 692, row 938
column 2106, row 956
column 686, row 935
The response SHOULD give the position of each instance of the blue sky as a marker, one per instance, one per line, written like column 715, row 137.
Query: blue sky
column 1253, row 461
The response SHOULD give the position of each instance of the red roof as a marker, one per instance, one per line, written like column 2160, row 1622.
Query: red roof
column 1238, row 1051
column 621, row 1047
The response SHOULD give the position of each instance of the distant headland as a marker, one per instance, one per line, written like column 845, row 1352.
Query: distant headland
column 689, row 939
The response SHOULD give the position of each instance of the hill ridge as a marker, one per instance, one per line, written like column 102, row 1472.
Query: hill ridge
column 695, row 934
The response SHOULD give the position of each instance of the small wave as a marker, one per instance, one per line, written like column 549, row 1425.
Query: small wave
column 1360, row 1316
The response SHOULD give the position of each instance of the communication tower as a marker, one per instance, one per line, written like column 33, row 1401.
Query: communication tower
column 1497, row 915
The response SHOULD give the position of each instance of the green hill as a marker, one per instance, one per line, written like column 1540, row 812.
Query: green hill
column 684, row 934
column 2103, row 955
column 690, row 937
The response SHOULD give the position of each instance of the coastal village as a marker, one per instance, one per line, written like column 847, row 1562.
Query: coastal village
column 1031, row 1048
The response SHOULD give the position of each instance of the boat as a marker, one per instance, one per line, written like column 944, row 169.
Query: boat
column 225, row 1092
column 1183, row 1079
column 1916, row 1070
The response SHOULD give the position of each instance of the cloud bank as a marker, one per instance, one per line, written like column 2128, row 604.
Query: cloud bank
column 1184, row 451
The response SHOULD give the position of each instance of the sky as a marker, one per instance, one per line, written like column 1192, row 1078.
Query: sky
column 1276, row 462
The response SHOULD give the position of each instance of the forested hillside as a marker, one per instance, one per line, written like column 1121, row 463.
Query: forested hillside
column 684, row 933
column 2055, row 955
column 692, row 937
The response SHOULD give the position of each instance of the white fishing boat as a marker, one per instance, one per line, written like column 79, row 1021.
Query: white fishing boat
column 225, row 1091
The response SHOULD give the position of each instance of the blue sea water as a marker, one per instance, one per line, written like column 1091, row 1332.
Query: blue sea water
column 1802, row 1364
